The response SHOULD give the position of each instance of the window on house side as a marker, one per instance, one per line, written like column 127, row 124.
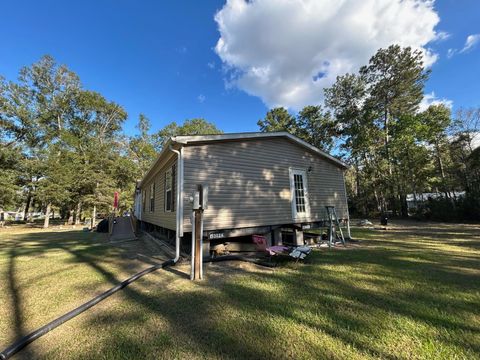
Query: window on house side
column 168, row 190
column 299, row 193
column 144, row 199
column 152, row 197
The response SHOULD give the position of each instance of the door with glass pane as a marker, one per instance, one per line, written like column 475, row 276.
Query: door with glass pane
column 299, row 194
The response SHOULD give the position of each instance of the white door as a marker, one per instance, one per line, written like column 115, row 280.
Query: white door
column 299, row 194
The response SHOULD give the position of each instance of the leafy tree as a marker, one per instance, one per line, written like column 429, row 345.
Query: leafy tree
column 435, row 122
column 346, row 98
column 94, row 135
column 467, row 125
column 395, row 79
column 34, row 109
column 356, row 127
column 197, row 126
column 9, row 172
column 144, row 147
column 413, row 168
column 316, row 127
column 464, row 130
column 72, row 137
column 473, row 164
column 53, row 188
column 311, row 124
column 376, row 113
column 278, row 119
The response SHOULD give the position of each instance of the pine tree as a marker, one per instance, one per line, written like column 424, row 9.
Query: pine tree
column 278, row 119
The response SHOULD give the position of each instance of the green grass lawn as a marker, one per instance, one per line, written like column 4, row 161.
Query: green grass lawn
column 410, row 292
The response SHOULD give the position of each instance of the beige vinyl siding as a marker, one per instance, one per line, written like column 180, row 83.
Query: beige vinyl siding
column 159, row 217
column 249, row 183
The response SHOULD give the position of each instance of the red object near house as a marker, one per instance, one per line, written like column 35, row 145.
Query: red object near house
column 260, row 241
column 115, row 200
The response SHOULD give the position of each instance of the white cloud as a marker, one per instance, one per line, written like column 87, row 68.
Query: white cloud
column 442, row 35
column 451, row 52
column 201, row 98
column 287, row 51
column 431, row 99
column 211, row 65
column 476, row 140
column 471, row 42
column 182, row 49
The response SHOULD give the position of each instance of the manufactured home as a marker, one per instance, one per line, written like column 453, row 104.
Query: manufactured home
column 258, row 183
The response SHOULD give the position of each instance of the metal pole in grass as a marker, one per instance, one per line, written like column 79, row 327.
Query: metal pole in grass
column 199, row 203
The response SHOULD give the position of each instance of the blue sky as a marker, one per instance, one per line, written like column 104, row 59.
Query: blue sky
column 159, row 57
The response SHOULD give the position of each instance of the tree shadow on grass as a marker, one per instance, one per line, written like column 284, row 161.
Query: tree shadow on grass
column 31, row 245
column 178, row 309
column 16, row 303
column 318, row 296
column 205, row 331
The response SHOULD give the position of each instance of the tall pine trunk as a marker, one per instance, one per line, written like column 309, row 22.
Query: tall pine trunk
column 387, row 139
column 441, row 169
column 27, row 205
column 78, row 213
column 70, row 217
column 402, row 197
column 47, row 216
column 357, row 177
column 94, row 216
column 391, row 200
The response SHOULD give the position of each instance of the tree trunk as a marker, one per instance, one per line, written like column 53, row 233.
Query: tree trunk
column 357, row 177
column 94, row 216
column 403, row 205
column 59, row 122
column 27, row 206
column 78, row 213
column 377, row 200
column 441, row 169
column 47, row 216
column 387, row 142
column 411, row 177
column 440, row 161
column 391, row 196
column 70, row 217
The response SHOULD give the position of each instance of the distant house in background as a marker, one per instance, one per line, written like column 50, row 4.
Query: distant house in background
column 415, row 200
column 20, row 214
column 259, row 183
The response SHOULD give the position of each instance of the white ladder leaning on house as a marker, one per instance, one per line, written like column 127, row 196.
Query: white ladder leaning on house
column 335, row 230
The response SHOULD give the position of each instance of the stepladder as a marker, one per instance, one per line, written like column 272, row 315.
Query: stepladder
column 335, row 231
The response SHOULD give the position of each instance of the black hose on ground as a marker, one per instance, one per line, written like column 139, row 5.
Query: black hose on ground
column 27, row 339
column 240, row 258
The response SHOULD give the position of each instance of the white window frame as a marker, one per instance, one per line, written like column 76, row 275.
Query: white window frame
column 144, row 201
column 168, row 187
column 152, row 197
column 299, row 215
